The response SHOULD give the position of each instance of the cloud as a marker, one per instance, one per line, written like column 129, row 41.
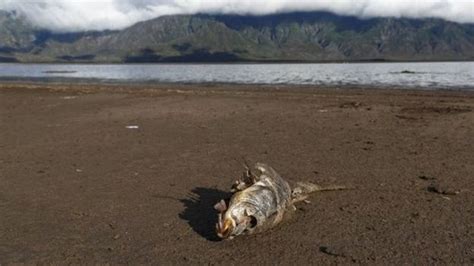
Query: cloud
column 76, row 15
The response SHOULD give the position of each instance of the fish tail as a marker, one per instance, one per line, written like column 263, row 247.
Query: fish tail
column 307, row 187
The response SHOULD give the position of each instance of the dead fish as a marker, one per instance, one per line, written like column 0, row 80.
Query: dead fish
column 260, row 201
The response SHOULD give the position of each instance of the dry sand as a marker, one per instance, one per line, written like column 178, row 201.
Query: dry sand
column 78, row 186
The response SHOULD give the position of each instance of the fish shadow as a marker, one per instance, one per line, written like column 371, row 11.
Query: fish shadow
column 199, row 210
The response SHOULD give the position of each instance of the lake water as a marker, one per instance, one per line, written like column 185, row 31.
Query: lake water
column 450, row 75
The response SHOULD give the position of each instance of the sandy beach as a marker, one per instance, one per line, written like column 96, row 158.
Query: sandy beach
column 130, row 174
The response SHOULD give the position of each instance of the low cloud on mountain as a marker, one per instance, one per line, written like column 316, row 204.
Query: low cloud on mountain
column 78, row 15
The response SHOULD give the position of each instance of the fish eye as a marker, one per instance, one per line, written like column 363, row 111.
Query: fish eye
column 253, row 221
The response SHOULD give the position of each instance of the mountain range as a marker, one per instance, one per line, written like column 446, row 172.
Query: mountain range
column 291, row 37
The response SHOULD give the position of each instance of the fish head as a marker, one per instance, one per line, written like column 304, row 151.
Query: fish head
column 230, row 227
column 231, row 224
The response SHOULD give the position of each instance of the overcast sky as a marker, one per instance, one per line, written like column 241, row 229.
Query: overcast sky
column 73, row 15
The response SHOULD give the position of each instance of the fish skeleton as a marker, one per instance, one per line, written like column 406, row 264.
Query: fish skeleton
column 260, row 201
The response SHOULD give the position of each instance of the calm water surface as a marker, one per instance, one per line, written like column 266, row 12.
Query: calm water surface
column 451, row 75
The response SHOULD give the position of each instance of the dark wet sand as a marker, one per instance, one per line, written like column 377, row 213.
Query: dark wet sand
column 77, row 186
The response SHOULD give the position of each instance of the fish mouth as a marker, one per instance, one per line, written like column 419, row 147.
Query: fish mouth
column 224, row 228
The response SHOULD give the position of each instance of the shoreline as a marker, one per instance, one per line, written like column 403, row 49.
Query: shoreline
column 199, row 88
column 369, row 61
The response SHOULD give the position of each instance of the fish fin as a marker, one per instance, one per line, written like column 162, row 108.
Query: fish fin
column 266, row 170
column 247, row 179
column 298, row 197
column 221, row 206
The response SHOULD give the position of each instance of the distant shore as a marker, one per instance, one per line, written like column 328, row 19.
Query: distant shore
column 121, row 173
column 375, row 61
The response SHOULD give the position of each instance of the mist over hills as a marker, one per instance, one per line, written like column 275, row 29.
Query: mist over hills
column 302, row 36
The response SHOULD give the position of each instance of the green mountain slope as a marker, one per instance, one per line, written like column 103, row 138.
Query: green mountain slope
column 313, row 36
